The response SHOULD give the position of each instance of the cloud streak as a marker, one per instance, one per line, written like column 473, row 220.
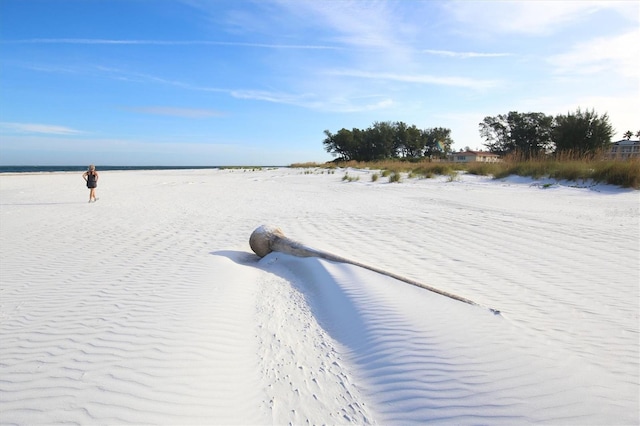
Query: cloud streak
column 178, row 112
column 419, row 79
column 310, row 101
column 529, row 17
column 464, row 55
column 614, row 55
column 39, row 128
column 90, row 41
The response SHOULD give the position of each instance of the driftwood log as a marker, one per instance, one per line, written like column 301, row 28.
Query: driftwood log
column 266, row 239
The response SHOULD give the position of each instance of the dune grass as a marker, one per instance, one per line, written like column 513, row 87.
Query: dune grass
column 571, row 167
column 395, row 177
column 348, row 178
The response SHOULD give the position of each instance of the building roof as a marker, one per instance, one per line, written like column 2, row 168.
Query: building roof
column 476, row 153
column 625, row 142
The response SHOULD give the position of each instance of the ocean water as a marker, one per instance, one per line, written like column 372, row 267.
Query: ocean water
column 43, row 169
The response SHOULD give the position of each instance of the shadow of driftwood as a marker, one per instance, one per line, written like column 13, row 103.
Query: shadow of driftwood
column 240, row 257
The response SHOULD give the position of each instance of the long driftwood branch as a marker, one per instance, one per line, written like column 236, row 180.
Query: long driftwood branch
column 266, row 239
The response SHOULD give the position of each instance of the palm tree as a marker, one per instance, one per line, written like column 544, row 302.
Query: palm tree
column 627, row 135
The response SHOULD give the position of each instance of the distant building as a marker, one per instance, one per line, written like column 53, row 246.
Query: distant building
column 474, row 156
column 624, row 149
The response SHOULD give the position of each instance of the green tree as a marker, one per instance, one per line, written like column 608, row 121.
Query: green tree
column 383, row 138
column 582, row 132
column 495, row 130
column 358, row 143
column 528, row 134
column 408, row 141
column 437, row 142
column 414, row 147
column 627, row 135
column 342, row 144
column 401, row 137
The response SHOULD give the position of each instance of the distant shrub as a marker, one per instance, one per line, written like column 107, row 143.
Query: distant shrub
column 452, row 176
column 374, row 177
column 307, row 165
column 395, row 177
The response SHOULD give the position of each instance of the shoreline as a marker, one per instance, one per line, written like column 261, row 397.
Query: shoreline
column 53, row 169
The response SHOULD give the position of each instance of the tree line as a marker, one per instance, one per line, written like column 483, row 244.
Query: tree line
column 385, row 140
column 534, row 133
column 527, row 134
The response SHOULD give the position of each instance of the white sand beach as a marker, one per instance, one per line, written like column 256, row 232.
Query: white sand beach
column 149, row 307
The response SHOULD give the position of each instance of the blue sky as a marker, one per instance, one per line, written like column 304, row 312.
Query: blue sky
column 236, row 82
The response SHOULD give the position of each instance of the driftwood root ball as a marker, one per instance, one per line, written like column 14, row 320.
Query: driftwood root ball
column 262, row 238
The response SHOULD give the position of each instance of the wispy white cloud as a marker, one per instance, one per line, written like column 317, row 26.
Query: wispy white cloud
column 375, row 25
column 178, row 112
column 327, row 102
column 464, row 55
column 89, row 41
column 39, row 128
column 530, row 17
column 120, row 74
column 366, row 32
column 419, row 79
column 268, row 96
column 615, row 55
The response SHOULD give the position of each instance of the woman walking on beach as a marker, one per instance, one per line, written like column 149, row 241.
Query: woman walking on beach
column 91, row 177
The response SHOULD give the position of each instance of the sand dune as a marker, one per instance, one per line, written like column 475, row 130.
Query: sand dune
column 149, row 307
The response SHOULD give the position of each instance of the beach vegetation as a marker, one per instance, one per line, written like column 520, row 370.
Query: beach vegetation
column 582, row 132
column 375, row 177
column 528, row 134
column 348, row 178
column 243, row 168
column 307, row 165
column 621, row 173
column 570, row 166
column 483, row 169
column 395, row 177
column 570, row 146
column 453, row 175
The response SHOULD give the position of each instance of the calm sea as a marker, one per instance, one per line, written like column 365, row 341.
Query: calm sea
column 40, row 169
